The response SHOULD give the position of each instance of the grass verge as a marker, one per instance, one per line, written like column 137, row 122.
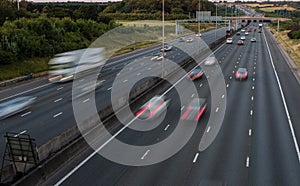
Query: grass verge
column 291, row 46
column 21, row 68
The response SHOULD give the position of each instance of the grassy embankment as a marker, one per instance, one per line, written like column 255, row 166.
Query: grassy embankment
column 292, row 46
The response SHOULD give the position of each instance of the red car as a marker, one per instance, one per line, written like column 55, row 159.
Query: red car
column 195, row 109
column 241, row 74
column 196, row 73
column 240, row 42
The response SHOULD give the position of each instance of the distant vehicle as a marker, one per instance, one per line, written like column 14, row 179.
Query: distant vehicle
column 16, row 105
column 240, row 42
column 62, row 67
column 166, row 48
column 260, row 25
column 198, row 34
column 229, row 40
column 243, row 38
column 153, row 108
column 196, row 73
column 158, row 57
column 189, row 40
column 181, row 39
column 259, row 30
column 246, row 33
column 195, row 109
column 86, row 88
column 228, row 33
column 238, row 33
column 241, row 74
column 253, row 39
column 211, row 60
column 243, row 30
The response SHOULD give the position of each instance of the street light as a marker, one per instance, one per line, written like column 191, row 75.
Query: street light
column 163, row 37
column 216, row 22
column 199, row 18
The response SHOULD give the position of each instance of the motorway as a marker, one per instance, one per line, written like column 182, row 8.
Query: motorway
column 52, row 113
column 257, row 144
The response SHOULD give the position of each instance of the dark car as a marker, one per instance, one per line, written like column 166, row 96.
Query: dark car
column 195, row 109
column 196, row 73
column 241, row 74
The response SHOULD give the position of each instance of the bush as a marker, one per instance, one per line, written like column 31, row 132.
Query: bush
column 6, row 57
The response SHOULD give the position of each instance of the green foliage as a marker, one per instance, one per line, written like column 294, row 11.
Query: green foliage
column 295, row 32
column 6, row 57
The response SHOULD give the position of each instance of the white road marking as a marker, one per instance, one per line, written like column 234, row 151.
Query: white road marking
column 182, row 108
column 230, row 77
column 149, row 68
column 138, row 74
column 208, row 129
column 58, row 100
column 254, row 67
column 233, row 71
column 196, row 157
column 146, row 153
column 25, row 114
column 118, row 74
column 223, row 96
column 86, row 100
column 254, row 73
column 253, row 79
column 235, row 66
column 284, row 103
column 247, row 161
column 251, row 112
column 24, row 131
column 252, row 87
column 193, row 95
column 167, row 127
column 125, row 81
column 217, row 109
column 59, row 88
column 250, row 132
column 57, row 114
column 81, row 80
column 109, row 88
column 252, row 98
column 130, row 68
column 227, row 85
column 201, row 85
column 24, row 92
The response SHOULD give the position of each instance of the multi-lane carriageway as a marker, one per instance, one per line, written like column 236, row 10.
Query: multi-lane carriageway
column 257, row 144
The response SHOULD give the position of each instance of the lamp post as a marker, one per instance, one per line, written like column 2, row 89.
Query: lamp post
column 163, row 37
column 216, row 22
column 199, row 18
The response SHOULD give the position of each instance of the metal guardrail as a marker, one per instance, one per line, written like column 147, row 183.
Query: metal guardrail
column 15, row 80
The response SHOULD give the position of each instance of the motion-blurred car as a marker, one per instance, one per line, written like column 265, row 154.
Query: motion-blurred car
column 85, row 88
column 195, row 109
column 229, row 40
column 189, row 40
column 253, row 39
column 196, row 73
column 166, row 48
column 16, row 105
column 240, row 42
column 198, row 34
column 243, row 38
column 241, row 74
column 153, row 108
column 246, row 33
column 243, row 30
column 211, row 60
column 238, row 33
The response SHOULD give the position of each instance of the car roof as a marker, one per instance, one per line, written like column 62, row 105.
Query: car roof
column 242, row 70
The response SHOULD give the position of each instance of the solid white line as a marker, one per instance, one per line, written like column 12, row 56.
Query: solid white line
column 284, row 103
column 196, row 157
column 59, row 88
column 24, row 131
column 58, row 100
column 167, row 127
column 109, row 88
column 86, row 100
column 208, row 129
column 143, row 157
column 117, row 133
column 247, row 161
column 138, row 74
column 24, row 92
column 250, row 132
column 25, row 114
column 57, row 114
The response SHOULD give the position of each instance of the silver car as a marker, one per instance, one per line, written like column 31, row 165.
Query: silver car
column 16, row 105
